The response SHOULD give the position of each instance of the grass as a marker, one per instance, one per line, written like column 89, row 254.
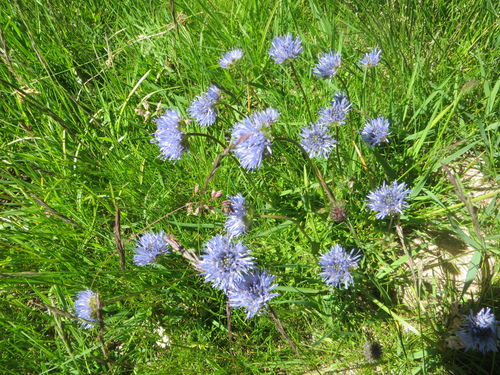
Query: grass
column 81, row 83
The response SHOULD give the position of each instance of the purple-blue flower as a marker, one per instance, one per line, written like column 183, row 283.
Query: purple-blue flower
column 316, row 141
column 150, row 246
column 376, row 131
column 250, row 136
column 284, row 48
column 253, row 292
column 371, row 59
column 168, row 136
column 229, row 59
column 224, row 262
column 336, row 265
column 388, row 200
column 481, row 331
column 328, row 65
column 336, row 113
column 86, row 307
column 203, row 107
column 237, row 222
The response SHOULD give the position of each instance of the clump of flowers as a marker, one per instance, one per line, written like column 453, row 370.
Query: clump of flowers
column 169, row 137
column 224, row 262
column 203, row 107
column 328, row 65
column 149, row 247
column 371, row 59
column 237, row 222
column 231, row 58
column 316, row 141
column 253, row 292
column 481, row 331
column 86, row 307
column 388, row 200
column 376, row 131
column 336, row 113
column 336, row 265
column 252, row 142
column 285, row 48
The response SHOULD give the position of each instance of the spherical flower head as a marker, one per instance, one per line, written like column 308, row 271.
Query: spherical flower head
column 328, row 65
column 336, row 113
column 86, row 307
column 252, row 142
column 388, row 200
column 231, row 58
column 253, row 292
column 481, row 331
column 336, row 265
column 224, row 262
column 316, row 141
column 376, row 131
column 237, row 222
column 284, row 48
column 371, row 59
column 203, row 107
column 150, row 246
column 168, row 136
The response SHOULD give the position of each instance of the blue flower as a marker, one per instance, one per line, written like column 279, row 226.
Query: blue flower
column 328, row 65
column 252, row 142
column 253, row 292
column 336, row 265
column 168, row 136
column 371, row 59
column 316, row 141
column 376, row 131
column 225, row 262
column 203, row 107
column 481, row 332
column 237, row 221
column 388, row 200
column 148, row 247
column 284, row 48
column 230, row 58
column 336, row 113
column 86, row 307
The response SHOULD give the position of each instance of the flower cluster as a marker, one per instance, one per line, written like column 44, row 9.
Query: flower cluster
column 328, row 65
column 150, row 246
column 86, row 307
column 376, row 131
column 388, row 200
column 229, row 59
column 169, row 137
column 237, row 222
column 203, row 107
column 371, row 59
column 252, row 143
column 285, row 48
column 336, row 113
column 481, row 331
column 316, row 141
column 336, row 265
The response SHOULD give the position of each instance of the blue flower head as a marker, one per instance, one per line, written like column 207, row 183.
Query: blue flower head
column 336, row 113
column 250, row 136
column 224, row 262
column 169, row 137
column 388, row 200
column 203, row 107
column 371, row 59
column 376, row 131
column 150, row 246
column 284, row 48
column 231, row 58
column 86, row 307
column 336, row 265
column 316, row 141
column 237, row 222
column 253, row 292
column 481, row 331
column 328, row 65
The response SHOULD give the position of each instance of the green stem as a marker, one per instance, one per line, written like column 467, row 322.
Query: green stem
column 290, row 219
column 303, row 92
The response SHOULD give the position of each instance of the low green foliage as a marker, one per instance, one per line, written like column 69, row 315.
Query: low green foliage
column 81, row 83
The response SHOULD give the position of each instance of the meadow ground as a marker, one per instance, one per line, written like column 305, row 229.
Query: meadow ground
column 83, row 87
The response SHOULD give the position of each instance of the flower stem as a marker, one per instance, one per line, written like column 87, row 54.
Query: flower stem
column 303, row 92
column 281, row 330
